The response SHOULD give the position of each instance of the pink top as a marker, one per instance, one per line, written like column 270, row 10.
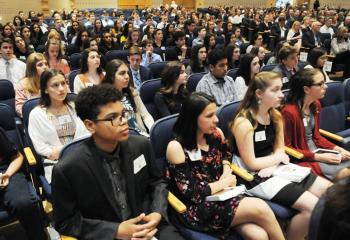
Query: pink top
column 62, row 65
column 22, row 95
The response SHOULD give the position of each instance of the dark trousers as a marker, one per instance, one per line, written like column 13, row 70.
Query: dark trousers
column 20, row 200
column 344, row 58
column 167, row 232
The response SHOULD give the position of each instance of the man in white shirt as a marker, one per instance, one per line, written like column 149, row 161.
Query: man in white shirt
column 10, row 67
column 149, row 57
column 327, row 27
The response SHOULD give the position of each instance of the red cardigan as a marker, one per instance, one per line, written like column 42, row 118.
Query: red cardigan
column 295, row 137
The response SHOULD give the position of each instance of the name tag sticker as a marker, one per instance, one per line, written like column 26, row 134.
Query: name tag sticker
column 260, row 136
column 305, row 122
column 194, row 155
column 64, row 119
column 327, row 66
column 285, row 80
column 162, row 47
column 303, row 56
column 139, row 163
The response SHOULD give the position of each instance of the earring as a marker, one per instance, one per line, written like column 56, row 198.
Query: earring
column 259, row 101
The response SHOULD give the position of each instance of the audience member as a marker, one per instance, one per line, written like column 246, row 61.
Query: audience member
column 138, row 116
column 179, row 52
column 115, row 199
column 199, row 166
column 295, row 34
column 340, row 47
column 249, row 67
column 149, row 56
column 260, row 52
column 29, row 87
column 11, row 68
column 17, row 194
column 53, row 123
column 90, row 72
column 137, row 72
column 216, row 83
column 198, row 60
column 317, row 58
column 257, row 132
column 301, row 117
column 288, row 66
column 54, row 57
column 173, row 92
column 312, row 38
column 233, row 53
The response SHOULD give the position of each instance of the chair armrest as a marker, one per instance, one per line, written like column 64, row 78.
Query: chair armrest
column 29, row 155
column 241, row 173
column 294, row 153
column 67, row 238
column 176, row 203
column 332, row 136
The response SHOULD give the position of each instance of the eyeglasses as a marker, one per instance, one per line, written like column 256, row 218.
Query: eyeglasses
column 321, row 84
column 116, row 119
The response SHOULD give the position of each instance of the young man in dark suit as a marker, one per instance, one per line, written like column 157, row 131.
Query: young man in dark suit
column 108, row 186
column 137, row 73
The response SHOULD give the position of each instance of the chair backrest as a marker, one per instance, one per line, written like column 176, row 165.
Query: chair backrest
column 117, row 54
column 347, row 96
column 147, row 91
column 157, row 68
column 8, row 123
column 233, row 73
column 268, row 68
column 332, row 116
column 193, row 81
column 226, row 114
column 75, row 59
column 7, row 93
column 161, row 133
column 71, row 77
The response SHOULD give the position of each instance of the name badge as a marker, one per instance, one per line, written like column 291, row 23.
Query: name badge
column 260, row 136
column 305, row 122
column 64, row 119
column 187, row 35
column 162, row 47
column 194, row 155
column 285, row 80
column 139, row 163
column 303, row 56
column 327, row 66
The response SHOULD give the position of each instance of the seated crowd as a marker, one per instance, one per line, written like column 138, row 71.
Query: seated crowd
column 110, row 186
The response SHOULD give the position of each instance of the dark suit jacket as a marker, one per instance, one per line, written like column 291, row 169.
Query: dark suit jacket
column 276, row 31
column 84, row 205
column 308, row 39
column 145, row 73
column 286, row 75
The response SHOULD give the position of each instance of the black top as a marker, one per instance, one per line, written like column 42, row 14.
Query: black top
column 168, row 104
column 8, row 150
column 264, row 147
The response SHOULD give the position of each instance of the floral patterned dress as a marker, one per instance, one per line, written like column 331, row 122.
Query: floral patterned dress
column 189, row 181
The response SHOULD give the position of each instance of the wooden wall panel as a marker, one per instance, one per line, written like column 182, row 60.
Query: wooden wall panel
column 10, row 8
column 95, row 4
